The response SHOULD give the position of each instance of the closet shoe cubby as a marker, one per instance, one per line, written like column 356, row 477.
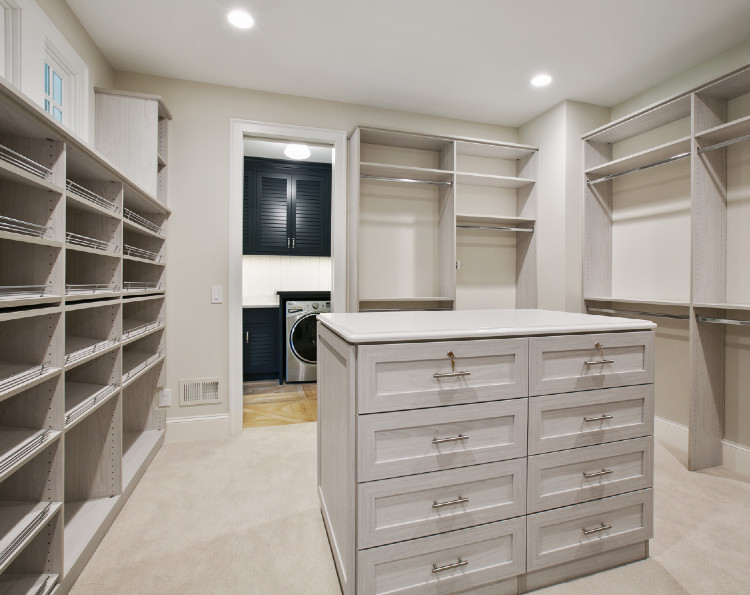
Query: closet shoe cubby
column 666, row 222
column 82, row 342
column 440, row 223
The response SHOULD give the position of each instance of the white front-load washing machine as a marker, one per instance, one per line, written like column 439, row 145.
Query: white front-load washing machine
column 301, row 339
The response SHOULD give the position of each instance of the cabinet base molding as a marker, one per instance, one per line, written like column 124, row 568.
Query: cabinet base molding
column 735, row 457
column 197, row 427
column 584, row 566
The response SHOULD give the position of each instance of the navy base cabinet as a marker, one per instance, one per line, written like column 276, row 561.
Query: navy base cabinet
column 260, row 341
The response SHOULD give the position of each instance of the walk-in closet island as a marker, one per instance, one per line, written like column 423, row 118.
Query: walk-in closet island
column 490, row 451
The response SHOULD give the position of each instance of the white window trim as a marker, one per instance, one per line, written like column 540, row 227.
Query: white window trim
column 59, row 48
column 74, row 89
column 12, row 41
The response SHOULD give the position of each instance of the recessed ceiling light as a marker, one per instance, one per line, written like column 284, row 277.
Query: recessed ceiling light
column 297, row 151
column 240, row 19
column 541, row 80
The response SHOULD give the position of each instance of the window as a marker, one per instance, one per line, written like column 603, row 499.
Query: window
column 54, row 82
column 38, row 59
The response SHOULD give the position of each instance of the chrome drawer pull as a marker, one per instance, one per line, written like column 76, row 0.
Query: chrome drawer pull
column 451, row 439
column 450, row 374
column 597, row 473
column 600, row 418
column 436, row 568
column 459, row 500
column 601, row 361
column 596, row 529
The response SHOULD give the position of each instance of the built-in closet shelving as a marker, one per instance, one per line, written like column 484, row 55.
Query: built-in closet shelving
column 82, row 323
column 440, row 223
column 666, row 212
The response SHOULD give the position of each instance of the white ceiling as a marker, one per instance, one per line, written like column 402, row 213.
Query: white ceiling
column 469, row 59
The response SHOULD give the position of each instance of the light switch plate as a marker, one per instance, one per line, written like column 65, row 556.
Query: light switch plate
column 217, row 294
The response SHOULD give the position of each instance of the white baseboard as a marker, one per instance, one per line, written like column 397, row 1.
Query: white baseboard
column 198, row 427
column 735, row 457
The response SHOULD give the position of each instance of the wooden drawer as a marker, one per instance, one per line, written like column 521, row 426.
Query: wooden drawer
column 570, row 363
column 572, row 476
column 414, row 375
column 408, row 507
column 491, row 552
column 558, row 422
column 574, row 532
column 409, row 442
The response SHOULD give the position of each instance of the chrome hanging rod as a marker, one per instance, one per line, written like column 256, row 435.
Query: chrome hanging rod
column 723, row 321
column 526, row 229
column 635, row 169
column 726, row 143
column 638, row 313
column 406, row 180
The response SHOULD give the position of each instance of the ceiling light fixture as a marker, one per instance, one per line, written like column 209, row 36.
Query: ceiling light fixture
column 297, row 151
column 541, row 80
column 240, row 19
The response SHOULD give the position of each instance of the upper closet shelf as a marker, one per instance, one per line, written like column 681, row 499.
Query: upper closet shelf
column 406, row 140
column 403, row 173
column 494, row 151
column 724, row 135
column 666, row 153
column 643, row 121
column 492, row 181
column 522, row 224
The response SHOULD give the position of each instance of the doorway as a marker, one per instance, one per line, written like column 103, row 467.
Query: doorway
column 244, row 133
column 286, row 277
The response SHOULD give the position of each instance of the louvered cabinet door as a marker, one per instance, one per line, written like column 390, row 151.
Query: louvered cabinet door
column 270, row 230
column 310, row 225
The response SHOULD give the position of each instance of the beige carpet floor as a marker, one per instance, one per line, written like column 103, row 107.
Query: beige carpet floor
column 241, row 516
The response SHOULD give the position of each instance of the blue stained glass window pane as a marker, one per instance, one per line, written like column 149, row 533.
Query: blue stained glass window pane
column 56, row 88
column 46, row 79
column 57, row 114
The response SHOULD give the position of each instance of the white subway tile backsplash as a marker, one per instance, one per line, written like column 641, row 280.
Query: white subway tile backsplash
column 263, row 276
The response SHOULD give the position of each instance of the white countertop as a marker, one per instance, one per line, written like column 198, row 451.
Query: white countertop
column 382, row 327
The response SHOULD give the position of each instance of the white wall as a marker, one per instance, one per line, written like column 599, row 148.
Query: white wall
column 198, row 333
column 263, row 276
column 558, row 133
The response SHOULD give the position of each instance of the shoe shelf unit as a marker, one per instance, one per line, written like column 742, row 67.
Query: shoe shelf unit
column 82, row 323
column 440, row 223
column 667, row 194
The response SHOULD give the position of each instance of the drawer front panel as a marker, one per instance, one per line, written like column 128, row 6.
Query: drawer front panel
column 403, row 508
column 448, row 563
column 574, row 532
column 409, row 442
column 571, row 363
column 558, row 422
column 415, row 375
column 572, row 476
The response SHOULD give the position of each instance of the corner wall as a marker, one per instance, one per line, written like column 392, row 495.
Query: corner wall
column 557, row 133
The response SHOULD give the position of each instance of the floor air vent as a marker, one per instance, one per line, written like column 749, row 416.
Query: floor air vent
column 199, row 391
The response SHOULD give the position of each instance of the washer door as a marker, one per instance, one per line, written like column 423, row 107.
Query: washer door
column 303, row 338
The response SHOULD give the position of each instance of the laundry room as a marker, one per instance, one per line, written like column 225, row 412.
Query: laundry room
column 286, row 276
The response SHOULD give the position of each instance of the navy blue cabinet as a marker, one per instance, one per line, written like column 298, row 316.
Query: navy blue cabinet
column 287, row 208
column 260, row 340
